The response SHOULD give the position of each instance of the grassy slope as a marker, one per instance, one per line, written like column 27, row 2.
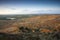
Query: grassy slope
column 43, row 22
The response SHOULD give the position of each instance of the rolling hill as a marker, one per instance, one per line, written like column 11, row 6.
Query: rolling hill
column 43, row 22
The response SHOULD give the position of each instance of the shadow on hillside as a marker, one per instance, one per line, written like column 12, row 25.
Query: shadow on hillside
column 28, row 34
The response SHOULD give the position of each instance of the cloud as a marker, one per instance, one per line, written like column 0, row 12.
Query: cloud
column 28, row 10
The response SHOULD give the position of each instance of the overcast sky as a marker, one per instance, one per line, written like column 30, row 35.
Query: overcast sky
column 29, row 7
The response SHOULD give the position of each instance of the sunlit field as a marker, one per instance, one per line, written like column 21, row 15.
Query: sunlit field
column 30, row 27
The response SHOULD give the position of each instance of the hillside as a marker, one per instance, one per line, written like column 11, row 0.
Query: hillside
column 40, row 21
column 36, row 27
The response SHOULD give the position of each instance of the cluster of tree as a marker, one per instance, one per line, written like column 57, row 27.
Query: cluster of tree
column 28, row 30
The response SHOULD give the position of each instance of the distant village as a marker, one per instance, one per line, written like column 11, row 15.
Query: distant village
column 10, row 18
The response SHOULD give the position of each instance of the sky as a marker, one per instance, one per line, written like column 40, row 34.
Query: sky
column 29, row 7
